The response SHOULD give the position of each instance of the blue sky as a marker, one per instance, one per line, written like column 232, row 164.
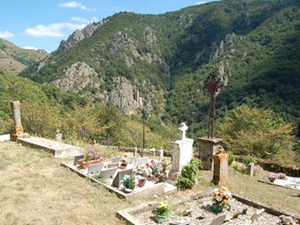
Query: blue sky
column 42, row 24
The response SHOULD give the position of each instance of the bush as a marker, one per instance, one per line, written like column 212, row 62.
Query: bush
column 231, row 158
column 249, row 159
column 188, row 176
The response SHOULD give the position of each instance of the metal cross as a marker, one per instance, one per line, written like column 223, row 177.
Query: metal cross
column 212, row 86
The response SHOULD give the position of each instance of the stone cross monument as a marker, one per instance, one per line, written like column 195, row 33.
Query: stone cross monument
column 15, row 106
column 18, row 128
column 182, row 152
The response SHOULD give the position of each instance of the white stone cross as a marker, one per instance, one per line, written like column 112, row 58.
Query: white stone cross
column 183, row 127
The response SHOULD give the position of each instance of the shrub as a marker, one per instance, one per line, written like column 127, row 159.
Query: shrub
column 249, row 159
column 188, row 176
column 231, row 158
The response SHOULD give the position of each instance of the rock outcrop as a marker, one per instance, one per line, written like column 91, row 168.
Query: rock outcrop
column 78, row 36
column 125, row 96
column 82, row 79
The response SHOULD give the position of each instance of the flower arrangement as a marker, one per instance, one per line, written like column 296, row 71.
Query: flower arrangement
column 163, row 209
column 221, row 199
column 90, row 155
column 273, row 176
column 151, row 164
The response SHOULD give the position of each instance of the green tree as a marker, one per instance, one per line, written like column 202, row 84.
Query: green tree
column 82, row 123
column 111, row 120
column 256, row 131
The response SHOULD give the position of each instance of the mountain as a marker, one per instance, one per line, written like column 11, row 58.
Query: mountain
column 161, row 62
column 14, row 59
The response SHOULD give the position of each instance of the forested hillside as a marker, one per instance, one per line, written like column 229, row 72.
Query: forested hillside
column 162, row 62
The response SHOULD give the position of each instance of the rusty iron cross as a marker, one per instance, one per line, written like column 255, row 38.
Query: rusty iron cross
column 212, row 86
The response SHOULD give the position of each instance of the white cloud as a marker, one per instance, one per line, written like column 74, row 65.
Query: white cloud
column 53, row 30
column 74, row 4
column 201, row 2
column 6, row 34
column 30, row 47
column 83, row 20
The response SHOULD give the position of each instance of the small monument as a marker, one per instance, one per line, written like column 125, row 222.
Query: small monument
column 15, row 106
column 220, row 172
column 18, row 128
column 58, row 135
column 208, row 148
column 182, row 152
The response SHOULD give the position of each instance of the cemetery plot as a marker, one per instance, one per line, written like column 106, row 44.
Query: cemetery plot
column 112, row 176
column 58, row 149
column 198, row 210
column 284, row 181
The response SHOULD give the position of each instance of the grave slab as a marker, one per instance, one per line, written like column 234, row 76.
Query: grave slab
column 58, row 149
column 145, row 192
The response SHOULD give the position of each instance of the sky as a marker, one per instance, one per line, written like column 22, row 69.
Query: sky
column 43, row 24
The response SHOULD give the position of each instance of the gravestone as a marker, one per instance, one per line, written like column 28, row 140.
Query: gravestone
column 119, row 177
column 251, row 169
column 58, row 135
column 135, row 151
column 220, row 172
column 161, row 155
column 208, row 147
column 18, row 129
column 182, row 152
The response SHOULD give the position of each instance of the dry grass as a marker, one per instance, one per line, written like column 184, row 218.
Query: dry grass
column 35, row 189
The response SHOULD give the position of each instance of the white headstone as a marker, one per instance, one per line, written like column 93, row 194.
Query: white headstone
column 182, row 153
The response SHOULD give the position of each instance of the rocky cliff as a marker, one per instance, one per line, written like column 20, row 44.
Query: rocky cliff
column 78, row 36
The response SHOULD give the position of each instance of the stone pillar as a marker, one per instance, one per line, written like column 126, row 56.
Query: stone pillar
column 135, row 151
column 58, row 136
column 161, row 154
column 207, row 148
column 182, row 153
column 18, row 129
column 251, row 169
column 220, row 172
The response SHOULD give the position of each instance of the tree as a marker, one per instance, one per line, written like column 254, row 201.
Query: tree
column 256, row 131
column 82, row 123
column 111, row 120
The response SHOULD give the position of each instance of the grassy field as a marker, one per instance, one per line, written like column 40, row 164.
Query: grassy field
column 36, row 189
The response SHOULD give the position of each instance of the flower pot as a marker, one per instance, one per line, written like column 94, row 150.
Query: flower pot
column 85, row 165
column 160, row 218
column 272, row 180
column 123, row 167
column 216, row 209
column 142, row 183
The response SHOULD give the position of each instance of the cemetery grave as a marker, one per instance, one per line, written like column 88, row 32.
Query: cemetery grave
column 110, row 175
column 281, row 180
column 198, row 210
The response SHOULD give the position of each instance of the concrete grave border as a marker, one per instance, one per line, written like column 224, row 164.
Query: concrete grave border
column 128, row 214
column 158, row 189
column 277, row 185
column 58, row 149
